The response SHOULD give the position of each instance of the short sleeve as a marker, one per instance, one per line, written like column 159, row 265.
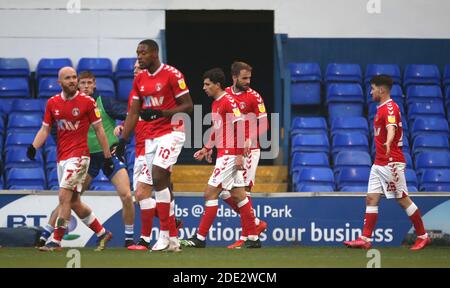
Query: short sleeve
column 178, row 84
column 258, row 105
column 93, row 112
column 391, row 116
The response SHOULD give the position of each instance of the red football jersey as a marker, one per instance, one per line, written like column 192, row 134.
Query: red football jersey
column 139, row 132
column 159, row 91
column 252, row 106
column 388, row 114
column 225, row 112
column 73, row 118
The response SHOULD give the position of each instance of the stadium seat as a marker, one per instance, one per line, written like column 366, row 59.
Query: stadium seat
column 305, row 72
column 424, row 93
column 355, row 188
column 49, row 67
column 50, row 159
column 430, row 143
column 435, row 180
column 105, row 87
column 129, row 156
column 103, row 187
column 2, row 128
column 352, row 159
column 14, row 87
column 125, row 68
column 302, row 160
column 24, row 122
column 349, row 141
column 309, row 125
column 14, row 67
column 408, row 159
column 352, row 176
column 429, row 126
column 315, row 176
column 52, row 178
column 305, row 93
column 48, row 87
column 337, row 72
column 431, row 160
column 26, row 177
column 344, row 100
column 19, row 139
column 17, row 157
column 27, row 187
column 416, row 74
column 26, row 105
column 1, row 181
column 100, row 179
column 349, row 125
column 101, row 67
column 415, row 110
column 392, row 70
column 310, row 143
column 314, row 188
column 124, row 86
column 411, row 178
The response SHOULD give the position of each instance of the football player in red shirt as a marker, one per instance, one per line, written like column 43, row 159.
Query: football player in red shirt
column 387, row 175
column 228, row 172
column 159, row 92
column 73, row 112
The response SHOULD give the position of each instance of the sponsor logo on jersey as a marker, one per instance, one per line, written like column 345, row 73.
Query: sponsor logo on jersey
column 262, row 108
column 182, row 84
column 75, row 111
column 391, row 119
column 151, row 101
column 64, row 124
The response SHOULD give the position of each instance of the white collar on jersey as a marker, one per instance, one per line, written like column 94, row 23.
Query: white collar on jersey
column 64, row 97
column 385, row 102
column 157, row 70
column 218, row 98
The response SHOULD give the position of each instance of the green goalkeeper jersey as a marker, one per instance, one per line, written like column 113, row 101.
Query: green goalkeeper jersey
column 108, row 125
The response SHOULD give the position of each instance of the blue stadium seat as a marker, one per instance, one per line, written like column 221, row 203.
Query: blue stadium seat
column 344, row 100
column 435, row 180
column 105, row 86
column 411, row 178
column 435, row 110
column 26, row 177
column 392, row 70
column 431, row 160
column 349, row 141
column 2, row 128
column 101, row 67
column 14, row 67
column 1, row 181
column 352, row 159
column 337, row 72
column 430, row 143
column 305, row 72
column 315, row 176
column 352, row 176
column 24, row 122
column 14, row 87
column 17, row 157
column 27, row 187
column 26, row 105
column 309, row 125
column 50, row 159
column 103, row 187
column 100, row 179
column 424, row 93
column 356, row 188
column 429, row 126
column 124, row 86
column 125, row 68
column 310, row 143
column 421, row 74
column 49, row 67
column 305, row 93
column 408, row 159
column 344, row 109
column 52, row 179
column 48, row 87
column 446, row 78
column 396, row 94
column 349, row 125
column 302, row 160
column 314, row 188
column 19, row 139
column 129, row 156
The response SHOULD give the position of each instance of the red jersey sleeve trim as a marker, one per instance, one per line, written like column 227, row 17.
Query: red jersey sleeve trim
column 181, row 93
column 96, row 122
column 45, row 124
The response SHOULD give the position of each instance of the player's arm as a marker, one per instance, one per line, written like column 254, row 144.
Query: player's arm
column 42, row 134
column 102, row 140
column 391, row 129
column 184, row 105
column 131, row 119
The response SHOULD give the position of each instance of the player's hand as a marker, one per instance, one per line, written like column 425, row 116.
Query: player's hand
column 388, row 148
column 240, row 162
column 31, row 152
column 118, row 130
column 120, row 149
column 200, row 154
column 208, row 156
column 108, row 166
column 150, row 114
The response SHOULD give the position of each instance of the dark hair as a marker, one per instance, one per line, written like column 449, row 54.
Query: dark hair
column 151, row 44
column 237, row 66
column 216, row 75
column 382, row 80
column 86, row 74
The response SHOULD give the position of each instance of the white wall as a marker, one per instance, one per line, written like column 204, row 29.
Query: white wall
column 111, row 28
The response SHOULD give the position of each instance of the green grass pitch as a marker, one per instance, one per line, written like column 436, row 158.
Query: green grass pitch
column 221, row 257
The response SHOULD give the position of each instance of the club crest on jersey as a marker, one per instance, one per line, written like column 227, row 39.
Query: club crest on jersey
column 75, row 111
column 158, row 87
column 57, row 112
column 391, row 119
column 242, row 105
column 182, row 84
